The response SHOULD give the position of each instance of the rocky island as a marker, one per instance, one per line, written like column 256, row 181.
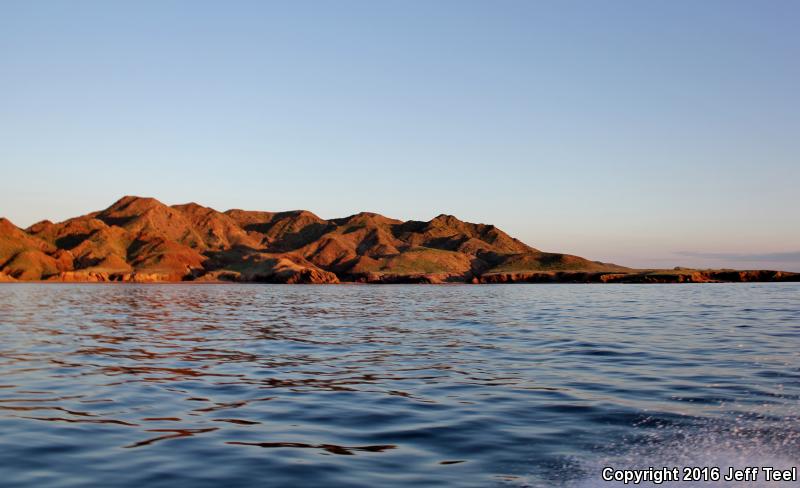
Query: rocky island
column 143, row 240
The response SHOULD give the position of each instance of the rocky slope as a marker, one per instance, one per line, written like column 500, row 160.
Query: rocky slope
column 142, row 240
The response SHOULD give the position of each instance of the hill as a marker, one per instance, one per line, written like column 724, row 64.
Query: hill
column 143, row 240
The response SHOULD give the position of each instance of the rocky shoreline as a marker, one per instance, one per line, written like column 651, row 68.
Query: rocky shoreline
column 650, row 276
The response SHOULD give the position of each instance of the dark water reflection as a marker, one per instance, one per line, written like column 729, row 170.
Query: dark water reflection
column 258, row 385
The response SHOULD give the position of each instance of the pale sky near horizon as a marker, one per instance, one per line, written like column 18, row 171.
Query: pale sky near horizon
column 644, row 133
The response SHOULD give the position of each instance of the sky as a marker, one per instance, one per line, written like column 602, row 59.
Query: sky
column 649, row 134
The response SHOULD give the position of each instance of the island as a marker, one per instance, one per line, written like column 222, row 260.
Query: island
column 140, row 239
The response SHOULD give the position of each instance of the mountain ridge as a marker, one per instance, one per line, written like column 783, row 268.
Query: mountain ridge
column 141, row 239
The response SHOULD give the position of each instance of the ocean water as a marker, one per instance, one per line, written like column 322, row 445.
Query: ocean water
column 382, row 386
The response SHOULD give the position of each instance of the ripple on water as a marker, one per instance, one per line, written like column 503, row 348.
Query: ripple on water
column 242, row 385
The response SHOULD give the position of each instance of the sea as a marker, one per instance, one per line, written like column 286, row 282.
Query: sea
column 522, row 385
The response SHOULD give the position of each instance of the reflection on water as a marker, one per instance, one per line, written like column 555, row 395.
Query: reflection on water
column 269, row 385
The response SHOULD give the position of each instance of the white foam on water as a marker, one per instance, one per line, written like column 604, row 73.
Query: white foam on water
column 739, row 443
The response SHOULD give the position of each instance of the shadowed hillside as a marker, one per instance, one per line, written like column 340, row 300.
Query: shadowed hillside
column 141, row 239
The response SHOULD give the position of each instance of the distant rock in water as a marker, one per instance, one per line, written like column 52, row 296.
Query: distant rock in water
column 143, row 240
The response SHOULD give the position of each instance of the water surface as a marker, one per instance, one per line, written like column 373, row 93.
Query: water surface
column 365, row 386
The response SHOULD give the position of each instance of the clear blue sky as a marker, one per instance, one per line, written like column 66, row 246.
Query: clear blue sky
column 646, row 133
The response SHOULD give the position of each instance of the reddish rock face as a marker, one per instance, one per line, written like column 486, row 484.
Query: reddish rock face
column 142, row 240
column 4, row 278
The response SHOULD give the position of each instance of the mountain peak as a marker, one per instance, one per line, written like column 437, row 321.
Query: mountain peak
column 129, row 199
column 446, row 219
column 366, row 218
column 131, row 204
column 6, row 225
